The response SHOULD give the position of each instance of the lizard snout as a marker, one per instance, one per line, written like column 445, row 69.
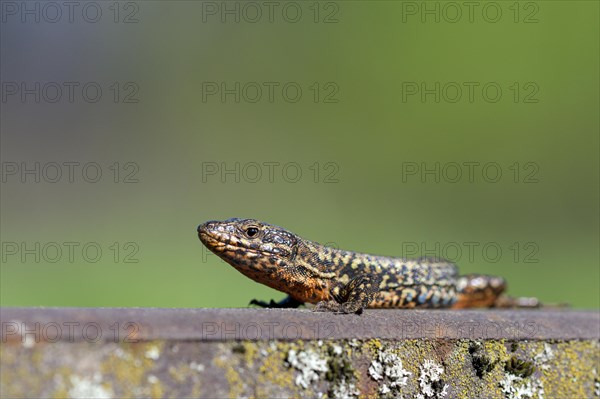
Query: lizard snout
column 207, row 226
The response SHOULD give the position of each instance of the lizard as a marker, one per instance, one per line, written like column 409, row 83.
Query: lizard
column 345, row 281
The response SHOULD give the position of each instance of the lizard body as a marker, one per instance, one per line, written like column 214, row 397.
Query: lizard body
column 339, row 280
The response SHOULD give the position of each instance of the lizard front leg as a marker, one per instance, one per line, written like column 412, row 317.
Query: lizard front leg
column 286, row 303
column 352, row 297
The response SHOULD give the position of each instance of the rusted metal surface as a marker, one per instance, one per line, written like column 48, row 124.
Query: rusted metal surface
column 139, row 324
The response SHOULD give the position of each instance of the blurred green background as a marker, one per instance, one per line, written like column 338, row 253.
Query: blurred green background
column 356, row 122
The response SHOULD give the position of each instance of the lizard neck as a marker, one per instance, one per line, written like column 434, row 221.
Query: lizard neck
column 310, row 274
column 316, row 260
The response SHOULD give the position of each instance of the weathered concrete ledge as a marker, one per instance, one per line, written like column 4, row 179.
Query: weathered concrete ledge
column 110, row 324
column 133, row 352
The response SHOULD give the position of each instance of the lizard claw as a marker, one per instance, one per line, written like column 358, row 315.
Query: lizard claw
column 333, row 306
column 327, row 306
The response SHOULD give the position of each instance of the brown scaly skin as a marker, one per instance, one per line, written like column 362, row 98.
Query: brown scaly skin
column 344, row 281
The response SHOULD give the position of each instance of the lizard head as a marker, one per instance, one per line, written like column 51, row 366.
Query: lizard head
column 252, row 247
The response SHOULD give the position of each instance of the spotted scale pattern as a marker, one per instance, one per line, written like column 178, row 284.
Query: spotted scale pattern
column 339, row 280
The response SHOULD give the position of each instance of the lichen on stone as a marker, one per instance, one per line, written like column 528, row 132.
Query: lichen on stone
column 92, row 388
column 152, row 353
column 542, row 358
column 199, row 367
column 515, row 387
column 341, row 374
column 541, row 369
column 480, row 360
column 430, row 381
column 517, row 383
column 310, row 365
column 388, row 369
column 345, row 390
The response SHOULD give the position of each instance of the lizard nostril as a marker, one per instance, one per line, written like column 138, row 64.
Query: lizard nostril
column 206, row 226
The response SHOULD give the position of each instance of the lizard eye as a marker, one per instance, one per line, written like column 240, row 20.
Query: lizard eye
column 251, row 231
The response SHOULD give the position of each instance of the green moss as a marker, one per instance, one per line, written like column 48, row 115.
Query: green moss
column 518, row 367
column 179, row 372
column 238, row 348
column 341, row 373
column 570, row 371
column 156, row 390
column 481, row 361
column 373, row 345
column 273, row 372
column 250, row 352
column 340, row 368
column 472, row 368
column 230, row 365
column 128, row 366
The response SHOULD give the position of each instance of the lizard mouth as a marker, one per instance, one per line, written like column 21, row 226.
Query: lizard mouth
column 217, row 245
column 211, row 242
